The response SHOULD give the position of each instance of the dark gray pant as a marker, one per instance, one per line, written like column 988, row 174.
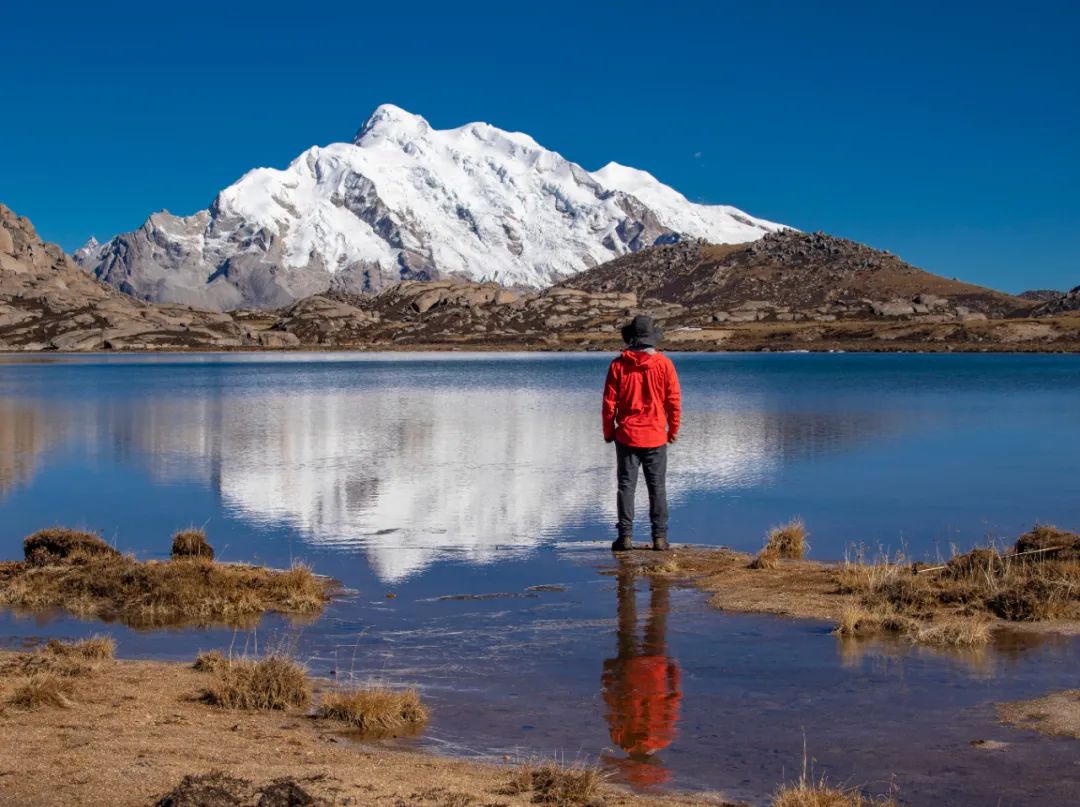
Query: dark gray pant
column 654, row 462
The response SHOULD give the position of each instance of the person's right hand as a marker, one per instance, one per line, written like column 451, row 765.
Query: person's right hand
column 609, row 439
column 672, row 438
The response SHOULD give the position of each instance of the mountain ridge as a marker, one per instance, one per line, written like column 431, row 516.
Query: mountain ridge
column 404, row 201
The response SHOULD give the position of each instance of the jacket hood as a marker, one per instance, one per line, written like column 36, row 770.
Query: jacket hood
column 638, row 359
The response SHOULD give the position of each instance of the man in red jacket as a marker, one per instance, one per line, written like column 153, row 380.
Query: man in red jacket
column 642, row 408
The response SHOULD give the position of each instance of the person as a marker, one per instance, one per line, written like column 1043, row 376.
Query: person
column 641, row 684
column 641, row 413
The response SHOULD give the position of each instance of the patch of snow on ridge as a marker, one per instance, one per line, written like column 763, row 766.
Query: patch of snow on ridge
column 404, row 200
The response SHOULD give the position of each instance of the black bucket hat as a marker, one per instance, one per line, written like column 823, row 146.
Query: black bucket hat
column 641, row 331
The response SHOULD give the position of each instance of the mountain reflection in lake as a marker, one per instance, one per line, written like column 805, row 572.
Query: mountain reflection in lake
column 419, row 458
column 412, row 473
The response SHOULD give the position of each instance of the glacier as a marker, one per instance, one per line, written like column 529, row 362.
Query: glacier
column 405, row 201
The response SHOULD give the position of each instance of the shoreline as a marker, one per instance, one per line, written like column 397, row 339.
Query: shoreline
column 481, row 348
column 795, row 589
column 146, row 719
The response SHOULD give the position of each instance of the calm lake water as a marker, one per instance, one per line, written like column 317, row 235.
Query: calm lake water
column 441, row 477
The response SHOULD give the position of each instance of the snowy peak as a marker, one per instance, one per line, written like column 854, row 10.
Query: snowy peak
column 392, row 121
column 406, row 201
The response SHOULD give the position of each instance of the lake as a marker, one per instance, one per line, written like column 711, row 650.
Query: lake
column 477, row 490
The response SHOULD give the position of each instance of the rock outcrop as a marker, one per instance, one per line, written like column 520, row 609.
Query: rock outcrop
column 49, row 303
column 1062, row 304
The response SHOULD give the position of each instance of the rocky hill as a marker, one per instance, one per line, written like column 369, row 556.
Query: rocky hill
column 49, row 303
column 1040, row 295
column 793, row 276
column 1063, row 303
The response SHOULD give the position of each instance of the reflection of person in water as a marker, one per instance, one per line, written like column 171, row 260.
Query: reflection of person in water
column 641, row 684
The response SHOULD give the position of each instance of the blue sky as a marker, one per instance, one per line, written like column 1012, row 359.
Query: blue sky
column 948, row 133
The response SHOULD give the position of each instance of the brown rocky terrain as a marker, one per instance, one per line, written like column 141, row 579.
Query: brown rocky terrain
column 49, row 303
column 792, row 276
column 1063, row 303
column 1039, row 295
column 788, row 291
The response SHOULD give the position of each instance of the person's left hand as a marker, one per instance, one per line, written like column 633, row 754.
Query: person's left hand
column 609, row 439
column 672, row 438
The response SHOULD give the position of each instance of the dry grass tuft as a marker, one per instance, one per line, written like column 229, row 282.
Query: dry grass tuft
column 42, row 689
column 98, row 647
column 209, row 661
column 788, row 540
column 272, row 682
column 953, row 604
column 375, row 709
column 952, row 631
column 59, row 544
column 109, row 586
column 191, row 544
column 767, row 558
column 820, row 794
column 65, row 659
column 1050, row 542
column 561, row 785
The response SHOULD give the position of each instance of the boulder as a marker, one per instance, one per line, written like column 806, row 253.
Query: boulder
column 277, row 339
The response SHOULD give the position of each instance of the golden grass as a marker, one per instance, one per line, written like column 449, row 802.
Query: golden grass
column 954, row 603
column 789, row 540
column 272, row 682
column 209, row 661
column 786, row 542
column 375, row 709
column 66, row 659
column 42, row 689
column 188, row 590
column 191, row 544
column 98, row 647
column 558, row 784
column 767, row 558
column 58, row 543
column 809, row 793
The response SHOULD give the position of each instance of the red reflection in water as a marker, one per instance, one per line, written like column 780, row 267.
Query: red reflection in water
column 641, row 685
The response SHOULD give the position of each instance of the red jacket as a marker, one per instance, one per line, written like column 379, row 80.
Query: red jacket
column 642, row 400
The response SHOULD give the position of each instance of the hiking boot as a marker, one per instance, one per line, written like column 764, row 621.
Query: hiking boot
column 660, row 543
column 622, row 544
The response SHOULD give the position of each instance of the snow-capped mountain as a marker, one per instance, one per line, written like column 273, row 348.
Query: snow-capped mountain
column 405, row 201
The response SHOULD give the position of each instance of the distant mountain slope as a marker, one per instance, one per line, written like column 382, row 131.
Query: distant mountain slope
column 49, row 303
column 405, row 201
column 1062, row 304
column 1040, row 295
column 788, row 270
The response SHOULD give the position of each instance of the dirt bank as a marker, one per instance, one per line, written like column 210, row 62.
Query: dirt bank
column 134, row 729
column 1057, row 714
column 957, row 603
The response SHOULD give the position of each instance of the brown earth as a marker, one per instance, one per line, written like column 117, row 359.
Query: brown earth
column 1057, row 714
column 134, row 729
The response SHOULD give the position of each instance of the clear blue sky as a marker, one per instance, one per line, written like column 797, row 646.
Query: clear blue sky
column 948, row 133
